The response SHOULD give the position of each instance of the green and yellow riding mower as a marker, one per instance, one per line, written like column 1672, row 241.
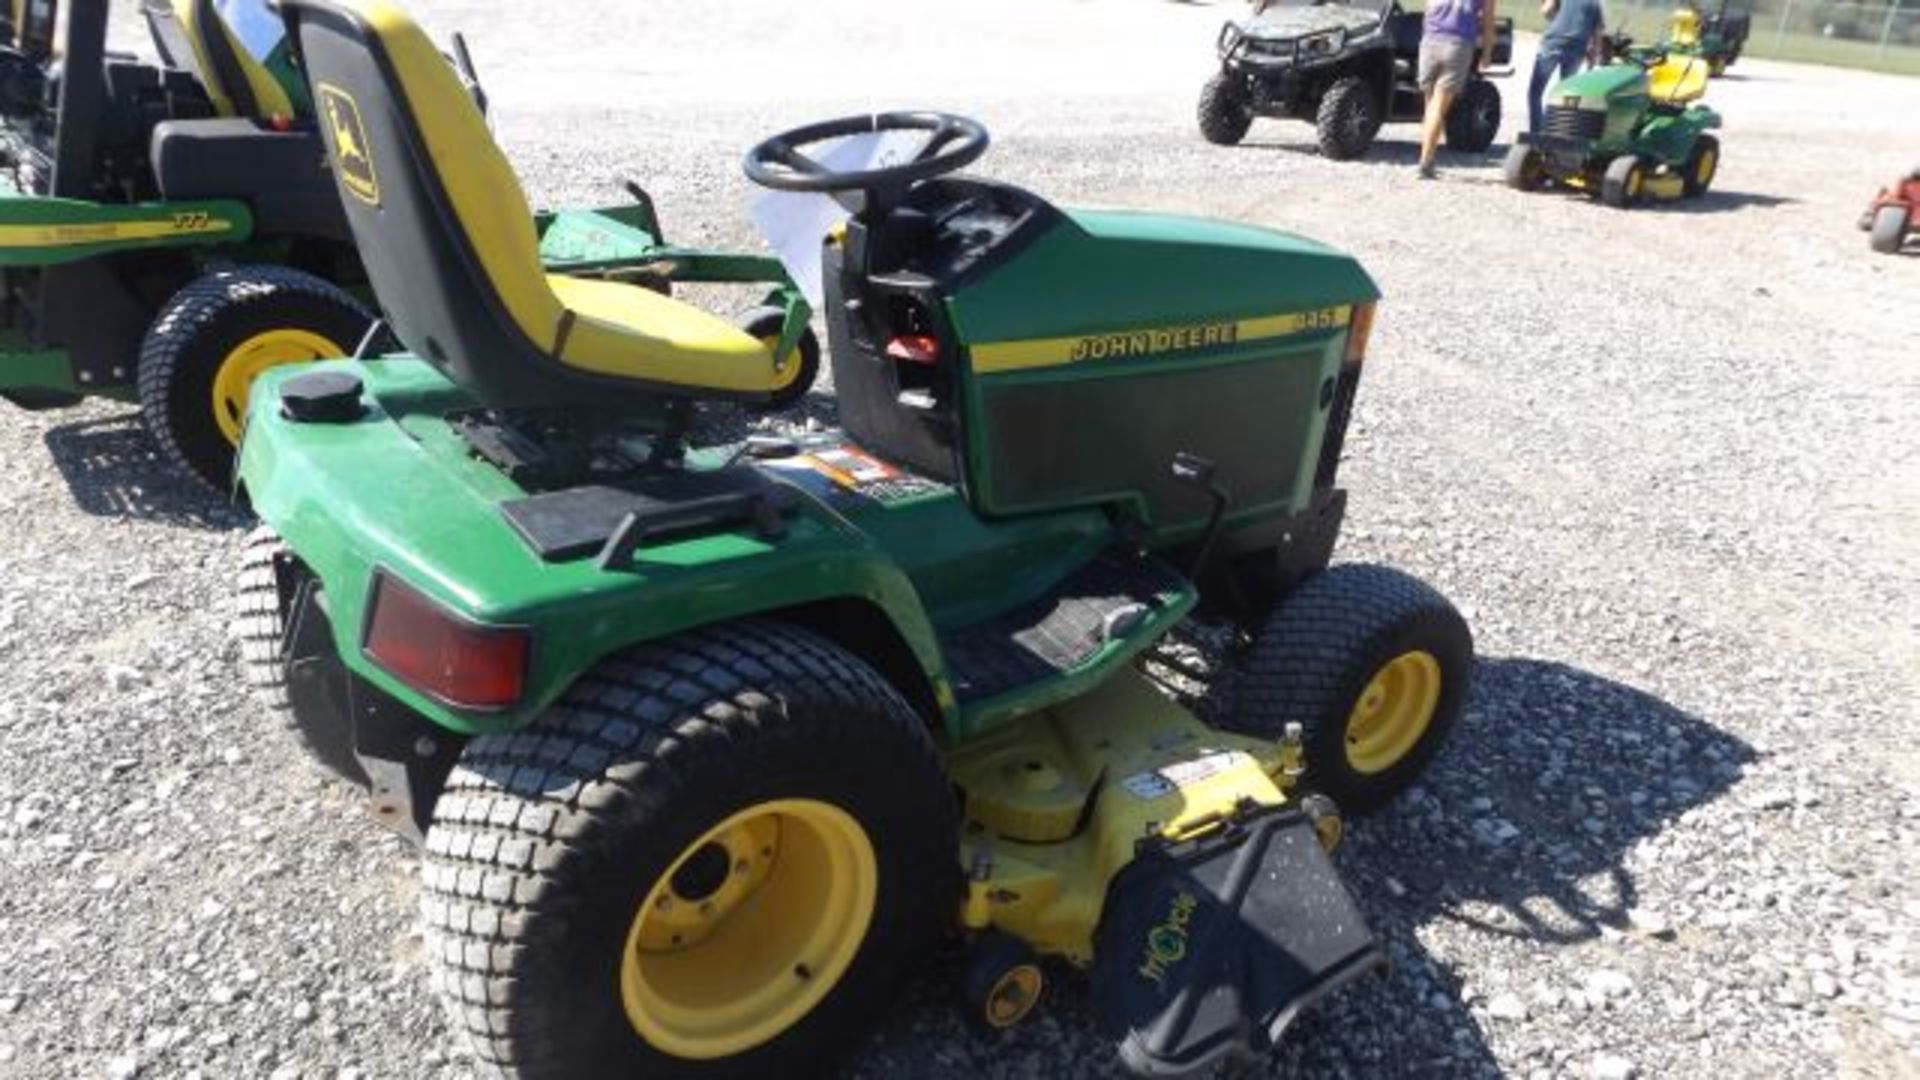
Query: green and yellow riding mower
column 1628, row 131
column 1717, row 37
column 168, row 230
column 706, row 745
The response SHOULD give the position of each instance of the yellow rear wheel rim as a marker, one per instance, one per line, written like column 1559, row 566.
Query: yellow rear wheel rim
column 1635, row 180
column 1393, row 712
column 267, row 349
column 749, row 928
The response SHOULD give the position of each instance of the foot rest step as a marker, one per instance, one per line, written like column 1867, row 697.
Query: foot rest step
column 1101, row 601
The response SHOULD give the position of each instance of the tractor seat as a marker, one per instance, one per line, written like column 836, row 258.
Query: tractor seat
column 448, row 240
column 236, row 82
column 1677, row 80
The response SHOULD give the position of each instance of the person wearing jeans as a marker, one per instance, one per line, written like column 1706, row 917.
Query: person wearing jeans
column 1573, row 29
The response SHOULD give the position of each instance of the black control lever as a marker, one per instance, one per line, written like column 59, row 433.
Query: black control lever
column 1196, row 471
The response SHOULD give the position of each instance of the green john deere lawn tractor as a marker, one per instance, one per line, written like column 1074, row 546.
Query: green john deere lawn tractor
column 169, row 230
column 1629, row 131
column 705, row 745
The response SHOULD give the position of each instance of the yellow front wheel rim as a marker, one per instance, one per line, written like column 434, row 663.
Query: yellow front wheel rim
column 267, row 349
column 749, row 928
column 1014, row 995
column 1703, row 171
column 1393, row 712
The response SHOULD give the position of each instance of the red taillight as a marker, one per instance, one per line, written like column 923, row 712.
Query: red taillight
column 914, row 349
column 465, row 664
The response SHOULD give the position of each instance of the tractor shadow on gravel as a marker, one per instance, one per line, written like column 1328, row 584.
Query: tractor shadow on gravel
column 1720, row 201
column 1574, row 770
column 114, row 469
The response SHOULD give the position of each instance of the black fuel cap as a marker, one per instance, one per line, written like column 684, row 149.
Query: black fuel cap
column 321, row 397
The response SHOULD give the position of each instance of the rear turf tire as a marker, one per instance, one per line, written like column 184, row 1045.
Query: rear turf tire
column 1702, row 165
column 765, row 322
column 1624, row 182
column 558, row 852
column 1348, row 119
column 1224, row 114
column 270, row 577
column 226, row 318
column 1889, row 230
column 1524, row 168
column 1474, row 121
column 1325, row 653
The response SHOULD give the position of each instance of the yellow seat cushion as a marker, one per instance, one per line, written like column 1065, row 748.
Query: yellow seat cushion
column 1677, row 80
column 619, row 330
column 634, row 332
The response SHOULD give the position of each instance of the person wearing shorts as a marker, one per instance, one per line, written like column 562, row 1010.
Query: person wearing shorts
column 1453, row 34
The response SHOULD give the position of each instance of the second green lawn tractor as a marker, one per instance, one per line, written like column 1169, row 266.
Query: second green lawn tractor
column 1628, row 132
column 707, row 745
column 169, row 230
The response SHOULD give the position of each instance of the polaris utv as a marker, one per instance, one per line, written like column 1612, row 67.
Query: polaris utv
column 1347, row 65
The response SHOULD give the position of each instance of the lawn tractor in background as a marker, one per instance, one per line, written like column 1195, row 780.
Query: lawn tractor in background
column 1347, row 66
column 1628, row 131
column 1894, row 214
column 1717, row 37
column 707, row 744
column 168, row 231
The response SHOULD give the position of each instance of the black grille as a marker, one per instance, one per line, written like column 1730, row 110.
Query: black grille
column 1567, row 122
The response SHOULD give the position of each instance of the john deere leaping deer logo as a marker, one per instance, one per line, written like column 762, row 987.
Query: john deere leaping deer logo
column 349, row 138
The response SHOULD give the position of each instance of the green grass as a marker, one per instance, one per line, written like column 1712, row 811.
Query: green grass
column 1647, row 23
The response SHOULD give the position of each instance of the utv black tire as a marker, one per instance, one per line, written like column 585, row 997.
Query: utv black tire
column 1524, row 168
column 1702, row 165
column 1322, row 652
column 552, row 849
column 1474, row 121
column 1348, row 119
column 1889, row 230
column 765, row 323
column 208, row 324
column 1625, row 179
column 270, row 575
column 1224, row 114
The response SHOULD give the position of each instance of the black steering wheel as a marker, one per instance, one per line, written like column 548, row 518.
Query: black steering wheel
column 953, row 142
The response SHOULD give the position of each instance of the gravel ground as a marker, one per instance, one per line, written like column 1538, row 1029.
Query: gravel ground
column 1666, row 461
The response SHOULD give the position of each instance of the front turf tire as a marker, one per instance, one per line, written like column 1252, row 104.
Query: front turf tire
column 1524, row 168
column 269, row 576
column 561, row 855
column 1348, row 119
column 217, row 331
column 1624, row 182
column 1889, row 230
column 1474, row 121
column 1702, row 165
column 1333, row 655
column 1224, row 114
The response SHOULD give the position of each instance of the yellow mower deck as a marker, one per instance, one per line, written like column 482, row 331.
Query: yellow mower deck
column 1057, row 802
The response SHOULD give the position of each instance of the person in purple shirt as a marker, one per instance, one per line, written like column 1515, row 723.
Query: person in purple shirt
column 1454, row 34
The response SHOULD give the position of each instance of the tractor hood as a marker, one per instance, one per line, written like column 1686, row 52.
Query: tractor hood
column 1287, row 23
column 1106, row 271
column 1600, row 87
